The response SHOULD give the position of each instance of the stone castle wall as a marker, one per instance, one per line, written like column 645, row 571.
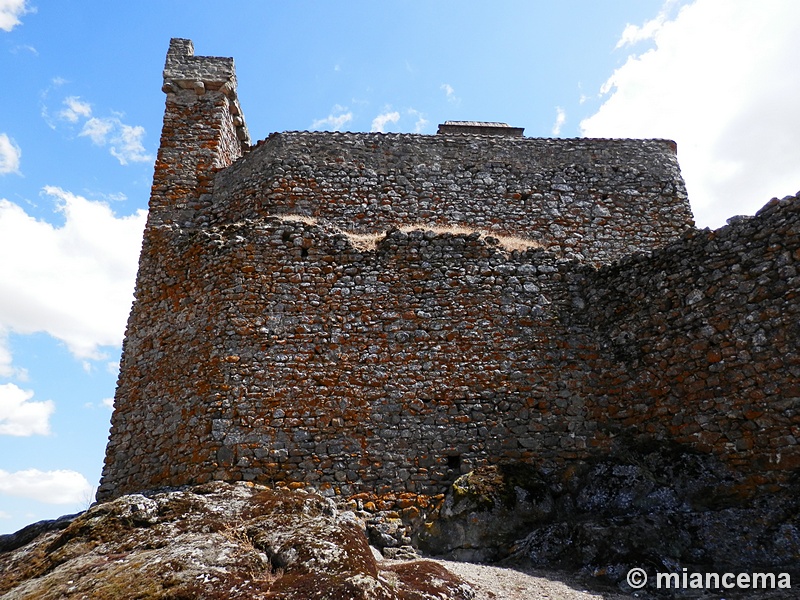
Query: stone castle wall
column 584, row 198
column 700, row 341
column 267, row 343
column 289, row 355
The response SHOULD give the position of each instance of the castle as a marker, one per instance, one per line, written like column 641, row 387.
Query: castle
column 380, row 313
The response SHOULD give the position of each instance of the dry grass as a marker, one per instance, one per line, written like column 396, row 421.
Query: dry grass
column 506, row 242
column 295, row 218
column 360, row 241
column 236, row 534
column 364, row 241
column 439, row 229
column 369, row 241
column 516, row 242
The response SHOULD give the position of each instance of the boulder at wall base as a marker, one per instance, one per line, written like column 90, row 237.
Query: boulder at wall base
column 485, row 511
column 659, row 507
column 218, row 540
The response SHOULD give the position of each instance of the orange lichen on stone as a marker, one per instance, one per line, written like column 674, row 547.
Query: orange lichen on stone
column 381, row 314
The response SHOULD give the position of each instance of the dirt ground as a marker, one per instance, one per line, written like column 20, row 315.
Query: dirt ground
column 503, row 583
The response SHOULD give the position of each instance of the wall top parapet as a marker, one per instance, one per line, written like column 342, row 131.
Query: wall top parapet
column 480, row 128
column 185, row 71
column 510, row 140
column 184, row 68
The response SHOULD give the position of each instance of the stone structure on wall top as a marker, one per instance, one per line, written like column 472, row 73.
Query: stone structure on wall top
column 366, row 313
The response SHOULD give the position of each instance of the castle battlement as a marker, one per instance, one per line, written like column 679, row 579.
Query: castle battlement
column 380, row 313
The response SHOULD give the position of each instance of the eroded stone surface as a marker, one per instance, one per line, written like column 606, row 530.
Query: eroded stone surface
column 655, row 507
column 216, row 541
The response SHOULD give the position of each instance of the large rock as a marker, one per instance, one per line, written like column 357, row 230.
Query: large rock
column 485, row 512
column 213, row 541
column 661, row 508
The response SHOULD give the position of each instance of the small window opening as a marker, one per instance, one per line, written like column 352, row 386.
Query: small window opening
column 454, row 461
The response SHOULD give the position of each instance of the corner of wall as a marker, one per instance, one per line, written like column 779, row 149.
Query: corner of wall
column 203, row 131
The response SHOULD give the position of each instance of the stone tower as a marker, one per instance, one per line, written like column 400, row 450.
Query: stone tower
column 203, row 132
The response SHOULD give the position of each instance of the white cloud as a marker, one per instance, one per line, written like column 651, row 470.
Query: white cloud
column 379, row 123
column 21, row 417
column 421, row 123
column 115, row 197
column 97, row 130
column 722, row 81
column 634, row 34
column 561, row 118
column 9, row 155
column 10, row 12
column 51, row 487
column 105, row 404
column 128, row 145
column 124, row 141
column 75, row 108
column 334, row 121
column 73, row 281
column 450, row 93
column 7, row 369
column 25, row 48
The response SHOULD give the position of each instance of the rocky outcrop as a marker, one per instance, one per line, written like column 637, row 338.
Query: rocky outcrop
column 660, row 508
column 213, row 541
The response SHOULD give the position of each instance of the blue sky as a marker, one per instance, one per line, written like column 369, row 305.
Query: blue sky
column 80, row 118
